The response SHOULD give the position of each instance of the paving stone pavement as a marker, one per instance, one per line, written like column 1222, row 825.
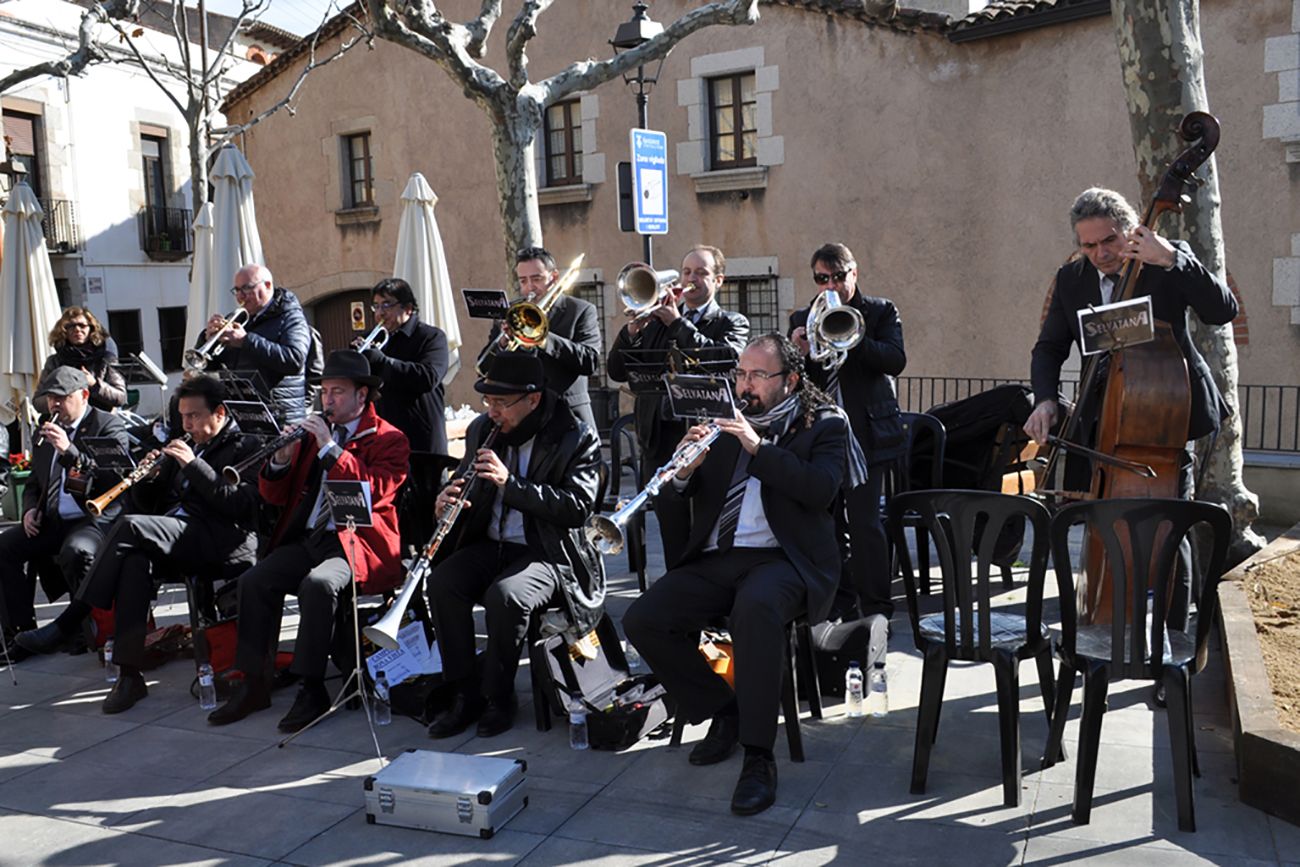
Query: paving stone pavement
column 157, row 785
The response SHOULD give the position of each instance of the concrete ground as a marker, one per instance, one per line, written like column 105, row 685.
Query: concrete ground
column 157, row 785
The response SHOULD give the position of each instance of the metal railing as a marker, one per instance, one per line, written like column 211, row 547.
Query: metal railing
column 165, row 232
column 60, row 225
column 1270, row 414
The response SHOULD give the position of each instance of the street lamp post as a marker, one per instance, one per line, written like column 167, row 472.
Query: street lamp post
column 631, row 34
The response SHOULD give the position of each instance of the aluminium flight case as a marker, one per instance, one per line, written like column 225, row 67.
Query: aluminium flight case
column 448, row 792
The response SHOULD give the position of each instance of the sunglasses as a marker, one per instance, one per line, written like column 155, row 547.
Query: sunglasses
column 823, row 279
column 77, row 326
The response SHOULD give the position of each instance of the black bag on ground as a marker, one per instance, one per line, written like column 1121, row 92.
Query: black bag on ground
column 835, row 645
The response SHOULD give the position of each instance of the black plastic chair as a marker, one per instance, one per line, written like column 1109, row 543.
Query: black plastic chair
column 969, row 628
column 904, row 477
column 1153, row 529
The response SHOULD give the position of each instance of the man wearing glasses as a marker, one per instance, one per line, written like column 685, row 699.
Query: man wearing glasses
column 760, row 550
column 862, row 382
column 273, row 343
column 573, row 344
column 518, row 542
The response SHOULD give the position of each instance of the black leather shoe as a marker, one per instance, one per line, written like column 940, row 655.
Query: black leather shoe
column 129, row 689
column 48, row 639
column 312, row 701
column 250, row 696
column 464, row 710
column 719, row 743
column 756, row 788
column 498, row 716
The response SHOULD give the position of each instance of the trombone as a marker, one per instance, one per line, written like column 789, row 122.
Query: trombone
column 833, row 328
column 642, row 289
column 527, row 323
column 197, row 360
column 376, row 339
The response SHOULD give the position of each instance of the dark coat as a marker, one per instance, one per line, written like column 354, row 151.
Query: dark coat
column 719, row 336
column 1187, row 284
column 866, row 377
column 276, row 346
column 571, row 352
column 800, row 474
column 109, row 390
column 97, row 423
column 412, row 365
column 229, row 511
column 556, row 497
column 376, row 453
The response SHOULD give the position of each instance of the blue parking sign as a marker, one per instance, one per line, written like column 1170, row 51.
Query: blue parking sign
column 650, row 181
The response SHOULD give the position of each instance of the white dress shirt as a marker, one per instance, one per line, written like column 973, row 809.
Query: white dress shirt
column 514, row 526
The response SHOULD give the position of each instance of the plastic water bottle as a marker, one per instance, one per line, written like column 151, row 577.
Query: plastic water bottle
column 877, row 640
column 878, row 694
column 207, row 688
column 635, row 663
column 578, row 724
column 382, row 710
column 110, row 666
column 853, row 689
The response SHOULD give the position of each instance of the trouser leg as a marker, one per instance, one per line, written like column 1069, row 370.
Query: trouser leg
column 869, row 561
column 131, row 615
column 319, row 594
column 523, row 587
column 77, row 554
column 453, row 588
column 18, row 586
column 261, row 596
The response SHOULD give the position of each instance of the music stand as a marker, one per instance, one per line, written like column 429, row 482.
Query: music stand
column 349, row 504
column 4, row 646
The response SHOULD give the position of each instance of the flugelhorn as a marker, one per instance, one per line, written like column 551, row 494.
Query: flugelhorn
column 833, row 327
column 142, row 471
column 383, row 632
column 236, row 472
column 376, row 339
column 642, row 289
column 197, row 360
column 527, row 323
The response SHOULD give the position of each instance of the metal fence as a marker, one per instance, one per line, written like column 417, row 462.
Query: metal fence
column 59, row 225
column 165, row 232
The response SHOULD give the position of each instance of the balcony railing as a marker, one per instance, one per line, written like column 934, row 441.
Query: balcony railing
column 60, row 225
column 165, row 233
column 1270, row 414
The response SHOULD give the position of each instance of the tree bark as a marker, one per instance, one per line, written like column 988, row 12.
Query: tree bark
column 1164, row 79
column 512, row 145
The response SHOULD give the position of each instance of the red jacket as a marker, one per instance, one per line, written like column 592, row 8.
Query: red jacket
column 377, row 453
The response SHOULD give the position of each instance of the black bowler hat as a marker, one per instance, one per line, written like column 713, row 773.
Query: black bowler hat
column 512, row 373
column 348, row 364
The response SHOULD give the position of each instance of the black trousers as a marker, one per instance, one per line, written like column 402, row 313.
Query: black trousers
column 315, row 570
column 136, row 547
column 511, row 583
column 869, row 562
column 72, row 544
column 759, row 591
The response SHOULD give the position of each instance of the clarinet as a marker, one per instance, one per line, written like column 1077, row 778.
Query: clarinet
column 448, row 519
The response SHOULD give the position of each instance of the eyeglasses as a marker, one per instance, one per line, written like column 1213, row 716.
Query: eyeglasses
column 757, row 375
column 501, row 403
column 385, row 305
column 837, row 276
column 74, row 326
column 247, row 287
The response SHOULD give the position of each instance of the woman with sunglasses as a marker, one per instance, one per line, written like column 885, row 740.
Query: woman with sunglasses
column 80, row 342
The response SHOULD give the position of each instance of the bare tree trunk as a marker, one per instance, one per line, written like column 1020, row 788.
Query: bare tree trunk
column 1164, row 79
column 512, row 145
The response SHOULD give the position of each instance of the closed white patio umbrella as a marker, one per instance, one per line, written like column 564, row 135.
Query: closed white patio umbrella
column 206, row 293
column 420, row 261
column 235, row 240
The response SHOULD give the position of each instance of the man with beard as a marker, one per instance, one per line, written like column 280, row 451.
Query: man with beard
column 760, row 550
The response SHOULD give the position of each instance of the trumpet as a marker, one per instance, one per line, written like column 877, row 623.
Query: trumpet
column 142, row 471
column 607, row 533
column 383, row 632
column 642, row 289
column 376, row 339
column 833, row 328
column 197, row 360
column 528, row 322
column 236, row 472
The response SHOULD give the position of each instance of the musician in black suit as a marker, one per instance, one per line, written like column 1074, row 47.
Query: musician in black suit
column 55, row 522
column 412, row 364
column 862, row 382
column 1108, row 234
column 186, row 518
column 572, row 347
column 760, row 549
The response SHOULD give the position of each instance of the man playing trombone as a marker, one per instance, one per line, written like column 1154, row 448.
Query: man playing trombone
column 861, row 380
column 185, row 518
column 306, row 555
column 520, row 540
column 571, row 351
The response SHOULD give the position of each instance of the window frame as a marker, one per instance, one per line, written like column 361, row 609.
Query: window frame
column 571, row 153
column 125, row 346
column 764, row 302
column 177, row 339
column 367, row 180
column 738, row 130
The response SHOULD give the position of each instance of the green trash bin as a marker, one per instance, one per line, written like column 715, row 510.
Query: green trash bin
column 11, row 503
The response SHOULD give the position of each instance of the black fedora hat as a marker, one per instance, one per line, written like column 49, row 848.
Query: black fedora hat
column 512, row 373
column 348, row 364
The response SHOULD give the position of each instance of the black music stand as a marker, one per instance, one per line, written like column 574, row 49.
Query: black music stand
column 247, row 385
column 349, row 505
column 4, row 646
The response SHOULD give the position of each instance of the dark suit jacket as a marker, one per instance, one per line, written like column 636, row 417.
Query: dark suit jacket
column 865, row 377
column 721, row 334
column 571, row 351
column 1188, row 284
column 412, row 365
column 97, row 423
column 800, row 475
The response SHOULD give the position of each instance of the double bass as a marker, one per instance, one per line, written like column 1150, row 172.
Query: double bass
column 1145, row 404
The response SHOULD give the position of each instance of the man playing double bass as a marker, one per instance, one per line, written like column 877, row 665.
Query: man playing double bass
column 1107, row 232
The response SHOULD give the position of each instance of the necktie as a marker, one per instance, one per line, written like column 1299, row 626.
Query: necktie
column 323, row 512
column 729, row 518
